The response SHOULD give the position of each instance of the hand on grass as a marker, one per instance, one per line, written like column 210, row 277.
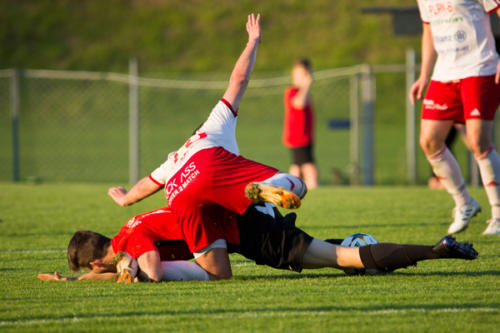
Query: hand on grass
column 253, row 28
column 118, row 194
column 56, row 277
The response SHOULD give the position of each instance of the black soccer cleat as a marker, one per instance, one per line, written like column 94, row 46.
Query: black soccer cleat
column 448, row 247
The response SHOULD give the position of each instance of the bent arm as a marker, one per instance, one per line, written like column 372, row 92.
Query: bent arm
column 240, row 76
column 299, row 101
column 428, row 58
column 144, row 188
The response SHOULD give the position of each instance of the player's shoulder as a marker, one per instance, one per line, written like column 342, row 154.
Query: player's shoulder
column 224, row 103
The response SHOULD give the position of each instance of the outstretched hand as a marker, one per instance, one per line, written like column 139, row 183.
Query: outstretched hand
column 56, row 277
column 253, row 28
column 118, row 195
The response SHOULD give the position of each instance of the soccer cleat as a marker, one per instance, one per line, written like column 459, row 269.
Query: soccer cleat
column 448, row 247
column 462, row 216
column 493, row 227
column 259, row 192
column 126, row 268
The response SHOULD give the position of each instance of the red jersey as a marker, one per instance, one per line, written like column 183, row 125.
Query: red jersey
column 140, row 233
column 298, row 125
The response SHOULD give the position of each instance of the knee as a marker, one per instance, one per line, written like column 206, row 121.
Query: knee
column 430, row 146
column 478, row 147
column 150, row 276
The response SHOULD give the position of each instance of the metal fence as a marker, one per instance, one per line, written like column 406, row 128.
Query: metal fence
column 108, row 127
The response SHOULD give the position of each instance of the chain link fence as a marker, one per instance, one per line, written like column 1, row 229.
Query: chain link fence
column 75, row 126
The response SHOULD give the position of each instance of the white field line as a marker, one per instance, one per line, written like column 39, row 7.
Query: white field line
column 250, row 314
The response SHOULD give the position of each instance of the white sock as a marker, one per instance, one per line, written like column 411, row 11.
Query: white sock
column 288, row 182
column 446, row 168
column 489, row 166
column 182, row 270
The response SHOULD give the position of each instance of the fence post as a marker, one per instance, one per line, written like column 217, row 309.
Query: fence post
column 354, row 132
column 133, row 121
column 411, row 151
column 15, row 96
column 367, row 120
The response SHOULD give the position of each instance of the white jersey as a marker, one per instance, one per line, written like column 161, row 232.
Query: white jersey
column 462, row 37
column 219, row 130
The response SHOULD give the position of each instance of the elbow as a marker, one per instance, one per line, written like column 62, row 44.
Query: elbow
column 239, row 80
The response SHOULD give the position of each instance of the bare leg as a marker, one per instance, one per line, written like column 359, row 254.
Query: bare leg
column 216, row 263
column 310, row 173
column 150, row 264
column 433, row 134
column 323, row 254
column 432, row 137
column 294, row 170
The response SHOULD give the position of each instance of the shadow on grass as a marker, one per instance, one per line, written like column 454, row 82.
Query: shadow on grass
column 477, row 273
column 341, row 275
column 280, row 311
column 288, row 276
column 368, row 225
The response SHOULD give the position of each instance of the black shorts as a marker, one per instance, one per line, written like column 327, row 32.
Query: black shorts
column 302, row 155
column 271, row 241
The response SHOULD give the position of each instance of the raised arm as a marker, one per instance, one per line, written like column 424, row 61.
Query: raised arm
column 244, row 66
column 144, row 188
column 428, row 58
column 299, row 101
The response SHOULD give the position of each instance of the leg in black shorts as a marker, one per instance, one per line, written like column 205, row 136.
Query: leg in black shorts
column 302, row 155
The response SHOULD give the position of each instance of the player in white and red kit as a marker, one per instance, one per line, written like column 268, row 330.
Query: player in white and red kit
column 208, row 170
column 465, row 88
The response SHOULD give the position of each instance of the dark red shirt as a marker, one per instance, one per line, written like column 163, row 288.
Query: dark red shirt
column 298, row 128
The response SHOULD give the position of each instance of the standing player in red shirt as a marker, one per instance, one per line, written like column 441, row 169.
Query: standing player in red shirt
column 208, row 170
column 465, row 88
column 298, row 130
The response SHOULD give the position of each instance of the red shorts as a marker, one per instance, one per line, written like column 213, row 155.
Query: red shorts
column 211, row 176
column 474, row 97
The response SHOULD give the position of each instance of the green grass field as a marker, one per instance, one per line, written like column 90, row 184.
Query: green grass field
column 36, row 222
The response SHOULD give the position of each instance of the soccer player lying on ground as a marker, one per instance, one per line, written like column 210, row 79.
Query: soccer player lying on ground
column 261, row 234
column 208, row 170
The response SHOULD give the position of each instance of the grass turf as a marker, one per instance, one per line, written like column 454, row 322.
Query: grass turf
column 38, row 220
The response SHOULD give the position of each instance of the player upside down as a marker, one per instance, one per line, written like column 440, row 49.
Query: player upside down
column 208, row 170
column 261, row 234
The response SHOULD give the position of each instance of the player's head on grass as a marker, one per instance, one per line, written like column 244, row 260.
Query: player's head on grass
column 91, row 251
column 301, row 72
